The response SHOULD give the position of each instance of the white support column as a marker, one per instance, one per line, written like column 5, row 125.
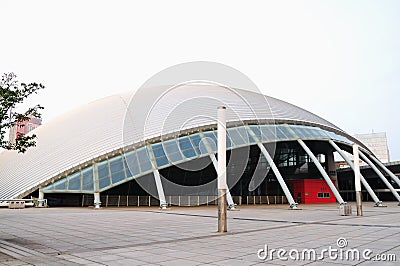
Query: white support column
column 381, row 176
column 323, row 173
column 231, row 203
column 222, row 185
column 160, row 190
column 97, row 202
column 357, row 179
column 270, row 160
column 293, row 204
column 378, row 203
column 393, row 176
column 41, row 198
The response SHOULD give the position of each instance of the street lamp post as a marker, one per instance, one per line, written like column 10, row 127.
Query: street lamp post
column 357, row 180
column 222, row 185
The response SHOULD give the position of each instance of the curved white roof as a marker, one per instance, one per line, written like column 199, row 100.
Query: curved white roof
column 98, row 128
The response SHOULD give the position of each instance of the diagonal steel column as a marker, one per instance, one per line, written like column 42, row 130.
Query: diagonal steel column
column 231, row 204
column 160, row 190
column 393, row 176
column 381, row 176
column 293, row 204
column 363, row 181
column 323, row 173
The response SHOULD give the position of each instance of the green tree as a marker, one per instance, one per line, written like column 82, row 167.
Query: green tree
column 11, row 94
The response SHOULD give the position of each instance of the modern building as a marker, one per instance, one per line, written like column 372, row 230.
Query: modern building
column 162, row 145
column 377, row 143
column 24, row 127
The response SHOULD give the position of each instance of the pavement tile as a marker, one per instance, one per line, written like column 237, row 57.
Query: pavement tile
column 105, row 258
column 187, row 236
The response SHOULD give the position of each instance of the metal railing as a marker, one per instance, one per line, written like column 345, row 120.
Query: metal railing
column 183, row 201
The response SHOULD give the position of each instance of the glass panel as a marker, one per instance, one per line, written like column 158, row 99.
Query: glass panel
column 206, row 145
column 287, row 132
column 144, row 159
column 158, row 150
column 337, row 137
column 118, row 176
column 307, row 132
column 87, row 179
column 313, row 132
column 235, row 137
column 268, row 133
column 117, row 169
column 257, row 131
column 104, row 175
column 195, row 139
column 212, row 135
column 102, row 169
column 184, row 143
column 229, row 142
column 249, row 135
column 74, row 181
column 318, row 133
column 322, row 133
column 61, row 184
column 131, row 164
column 159, row 154
column 209, row 140
column 280, row 134
column 116, row 164
column 244, row 134
column 186, row 147
column 128, row 171
column 331, row 134
column 172, row 149
column 298, row 132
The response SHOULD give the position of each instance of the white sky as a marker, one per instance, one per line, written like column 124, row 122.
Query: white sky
column 338, row 59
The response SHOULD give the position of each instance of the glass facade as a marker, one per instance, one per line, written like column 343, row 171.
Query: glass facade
column 141, row 161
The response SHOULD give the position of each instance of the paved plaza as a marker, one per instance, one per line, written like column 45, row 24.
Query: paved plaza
column 187, row 236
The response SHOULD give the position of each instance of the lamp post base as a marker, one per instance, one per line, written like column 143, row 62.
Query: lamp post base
column 222, row 204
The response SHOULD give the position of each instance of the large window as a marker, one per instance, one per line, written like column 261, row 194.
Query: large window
column 137, row 162
column 186, row 147
column 159, row 154
column 104, row 174
column 286, row 157
column 87, row 179
column 117, row 169
column 144, row 160
column 74, row 181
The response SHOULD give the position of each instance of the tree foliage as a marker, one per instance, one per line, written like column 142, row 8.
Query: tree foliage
column 11, row 94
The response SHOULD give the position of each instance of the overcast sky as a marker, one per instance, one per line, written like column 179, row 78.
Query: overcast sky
column 338, row 59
